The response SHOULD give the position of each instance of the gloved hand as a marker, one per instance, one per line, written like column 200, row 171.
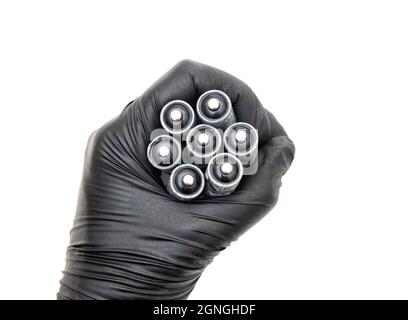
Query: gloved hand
column 131, row 239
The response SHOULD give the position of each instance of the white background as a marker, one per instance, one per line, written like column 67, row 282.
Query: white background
column 335, row 73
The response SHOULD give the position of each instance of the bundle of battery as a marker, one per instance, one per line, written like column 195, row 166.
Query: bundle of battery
column 204, row 154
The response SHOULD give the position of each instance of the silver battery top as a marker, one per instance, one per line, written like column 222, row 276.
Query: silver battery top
column 186, row 182
column 227, row 168
column 241, row 139
column 214, row 107
column 164, row 152
column 227, row 164
column 213, row 104
column 203, row 142
column 177, row 117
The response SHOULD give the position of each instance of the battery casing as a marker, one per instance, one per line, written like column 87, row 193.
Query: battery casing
column 177, row 128
column 175, row 192
column 200, row 157
column 217, row 188
column 223, row 121
column 174, row 147
column 247, row 154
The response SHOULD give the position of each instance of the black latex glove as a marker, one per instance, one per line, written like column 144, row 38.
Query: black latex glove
column 131, row 239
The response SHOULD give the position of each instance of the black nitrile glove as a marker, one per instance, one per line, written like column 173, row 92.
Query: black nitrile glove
column 131, row 239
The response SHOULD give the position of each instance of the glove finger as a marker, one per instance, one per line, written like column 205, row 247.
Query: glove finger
column 274, row 158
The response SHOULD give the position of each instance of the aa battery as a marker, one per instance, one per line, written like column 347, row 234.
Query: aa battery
column 186, row 182
column 164, row 152
column 223, row 174
column 177, row 117
column 214, row 107
column 203, row 142
column 241, row 140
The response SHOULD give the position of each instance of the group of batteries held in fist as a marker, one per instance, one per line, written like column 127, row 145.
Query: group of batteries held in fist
column 219, row 146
